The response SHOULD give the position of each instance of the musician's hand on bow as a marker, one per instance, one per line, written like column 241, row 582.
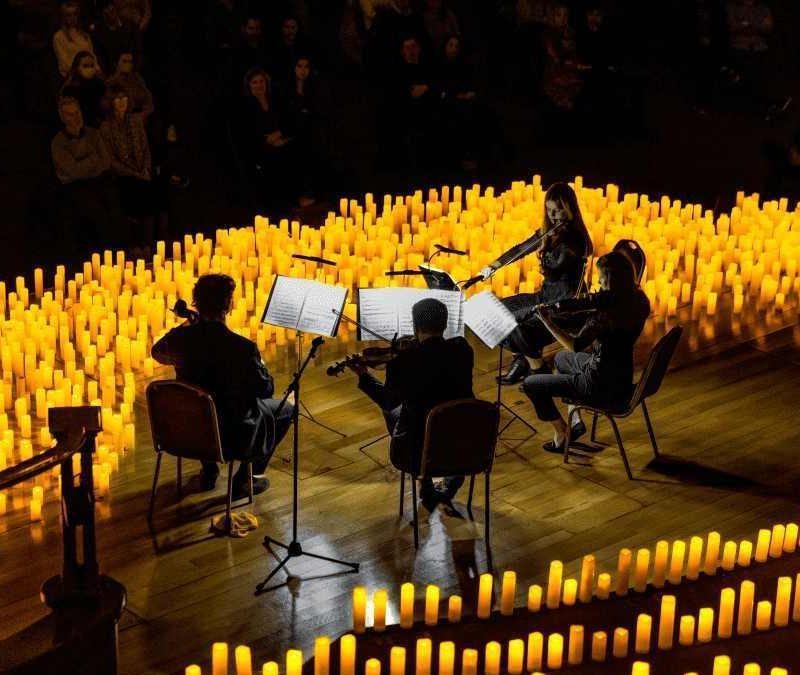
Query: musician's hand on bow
column 487, row 272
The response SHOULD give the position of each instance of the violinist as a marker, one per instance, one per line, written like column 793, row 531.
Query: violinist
column 613, row 320
column 419, row 378
column 562, row 256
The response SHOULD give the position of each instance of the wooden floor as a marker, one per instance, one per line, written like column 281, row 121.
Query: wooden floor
column 726, row 420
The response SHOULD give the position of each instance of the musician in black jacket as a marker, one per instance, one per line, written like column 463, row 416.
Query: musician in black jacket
column 604, row 376
column 418, row 379
column 562, row 256
column 207, row 354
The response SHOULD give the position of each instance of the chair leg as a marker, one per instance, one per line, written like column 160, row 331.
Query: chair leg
column 249, row 482
column 621, row 447
column 153, row 491
column 593, row 437
column 469, row 498
column 568, row 439
column 650, row 430
column 228, row 522
column 180, row 480
column 402, row 490
column 415, row 522
column 486, row 529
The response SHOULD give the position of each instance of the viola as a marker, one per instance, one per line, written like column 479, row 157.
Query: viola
column 374, row 357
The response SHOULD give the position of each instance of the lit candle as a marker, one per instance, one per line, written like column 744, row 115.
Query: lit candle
column 379, row 600
column 729, row 556
column 705, row 624
column 359, row 609
column 744, row 621
column 322, row 655
column 686, row 631
column 641, row 569
column 243, row 660
column 694, row 559
column 790, row 538
column 603, row 585
column 516, row 657
column 745, row 553
column 294, row 662
column 397, row 661
column 454, row 609
column 407, row 605
column 372, row 667
column 447, row 658
column 727, row 598
column 431, row 605
column 586, row 588
column 492, row 658
column 508, row 590
column 347, row 655
column 424, row 649
column 619, row 649
column 644, row 629
column 535, row 649
column 676, row 561
column 623, row 571
column 554, row 584
column 666, row 622
column 712, row 553
column 796, row 602
column 534, row 598
column 485, row 596
column 783, row 598
column 575, row 648
column 193, row 670
column 219, row 658
column 751, row 669
column 776, row 541
column 555, row 651
column 660, row 564
column 599, row 645
column 722, row 665
column 570, row 591
column 763, row 615
column 640, row 668
column 469, row 662
column 762, row 545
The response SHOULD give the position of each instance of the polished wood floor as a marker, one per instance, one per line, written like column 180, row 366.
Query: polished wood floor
column 726, row 420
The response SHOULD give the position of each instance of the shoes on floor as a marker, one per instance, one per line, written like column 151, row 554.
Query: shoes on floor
column 517, row 371
column 577, row 431
column 240, row 490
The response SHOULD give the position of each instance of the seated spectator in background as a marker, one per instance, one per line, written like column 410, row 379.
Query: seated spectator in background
column 289, row 46
column 112, row 37
column 125, row 77
column 440, row 24
column 85, row 83
column 126, row 142
column 82, row 164
column 134, row 13
column 562, row 82
column 223, row 21
column 70, row 39
column 250, row 51
column 392, row 23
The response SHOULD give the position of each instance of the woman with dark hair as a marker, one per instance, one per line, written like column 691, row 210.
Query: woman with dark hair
column 440, row 23
column 562, row 251
column 615, row 317
column 85, row 84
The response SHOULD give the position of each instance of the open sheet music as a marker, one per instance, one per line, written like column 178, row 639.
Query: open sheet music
column 305, row 305
column 488, row 318
column 387, row 311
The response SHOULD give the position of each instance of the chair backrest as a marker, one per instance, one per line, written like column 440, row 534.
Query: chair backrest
column 460, row 437
column 657, row 364
column 635, row 253
column 183, row 421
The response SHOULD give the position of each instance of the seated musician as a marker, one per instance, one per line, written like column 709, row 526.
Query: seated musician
column 604, row 377
column 418, row 379
column 562, row 256
column 207, row 354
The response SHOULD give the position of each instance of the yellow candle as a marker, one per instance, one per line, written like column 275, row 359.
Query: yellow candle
column 454, row 609
column 686, row 630
column 776, row 541
column 694, row 559
column 469, row 662
column 729, row 556
column 660, row 564
column 219, row 658
column 641, row 569
column 640, row 668
column 372, row 667
column 193, row 670
column 676, row 561
column 447, row 658
column 745, row 553
column 535, row 651
column 586, row 588
column 554, row 584
column 485, row 596
column 431, row 605
column 294, row 662
column 751, row 669
column 379, row 600
column 727, row 598
column 712, row 553
column 722, row 665
column 599, row 645
column 620, row 646
column 397, row 661
column 796, row 602
column 507, row 593
column 347, row 655
column 623, row 571
column 492, row 658
column 666, row 622
column 570, row 591
column 762, row 545
column 243, row 660
column 35, row 510
column 783, row 598
column 424, row 649
column 359, row 609
column 516, row 657
column 322, row 655
column 555, row 650
column 603, row 585
column 575, row 648
column 534, row 598
column 763, row 615
column 705, row 624
column 778, row 671
column 744, row 621
column 407, row 605
column 790, row 538
column 644, row 629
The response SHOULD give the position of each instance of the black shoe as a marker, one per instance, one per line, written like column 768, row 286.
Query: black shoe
column 429, row 498
column 550, row 446
column 240, row 490
column 517, row 371
column 577, row 431
column 208, row 481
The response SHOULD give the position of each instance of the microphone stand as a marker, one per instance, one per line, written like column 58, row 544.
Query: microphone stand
column 294, row 549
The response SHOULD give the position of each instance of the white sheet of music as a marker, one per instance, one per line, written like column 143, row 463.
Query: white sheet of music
column 488, row 318
column 387, row 311
column 304, row 305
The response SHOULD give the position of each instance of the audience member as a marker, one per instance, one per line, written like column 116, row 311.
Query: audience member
column 134, row 13
column 70, row 38
column 223, row 22
column 393, row 22
column 250, row 51
column 85, row 84
column 562, row 82
column 352, row 34
column 288, row 47
column 125, row 77
column 440, row 23
column 112, row 37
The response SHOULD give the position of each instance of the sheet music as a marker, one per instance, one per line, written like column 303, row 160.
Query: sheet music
column 304, row 305
column 488, row 318
column 387, row 311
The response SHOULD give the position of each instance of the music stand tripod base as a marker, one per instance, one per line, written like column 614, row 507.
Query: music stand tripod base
column 295, row 550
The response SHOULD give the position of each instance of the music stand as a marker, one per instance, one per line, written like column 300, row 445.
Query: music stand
column 288, row 309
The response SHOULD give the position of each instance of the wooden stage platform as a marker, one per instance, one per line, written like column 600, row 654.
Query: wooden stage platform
column 726, row 420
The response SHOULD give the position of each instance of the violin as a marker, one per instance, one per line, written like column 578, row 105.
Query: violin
column 586, row 303
column 374, row 357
